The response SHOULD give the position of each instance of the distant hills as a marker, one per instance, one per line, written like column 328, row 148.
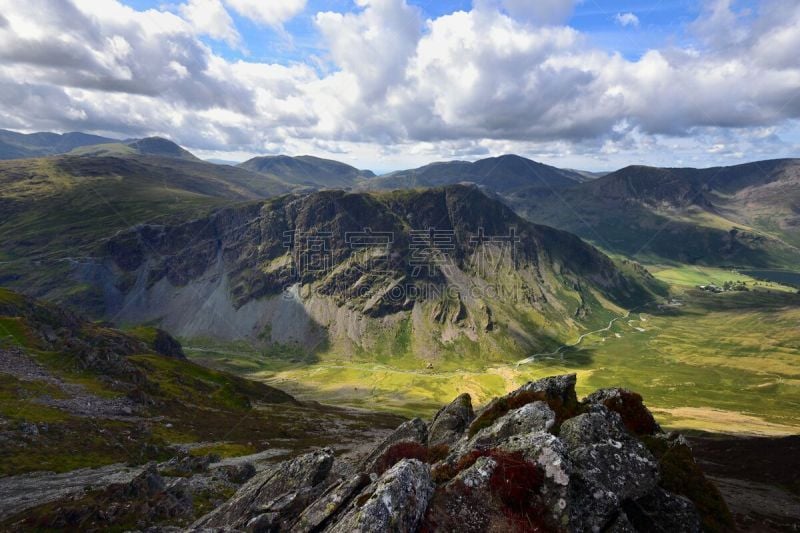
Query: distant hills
column 740, row 215
column 15, row 145
column 308, row 171
column 744, row 215
column 501, row 174
column 149, row 146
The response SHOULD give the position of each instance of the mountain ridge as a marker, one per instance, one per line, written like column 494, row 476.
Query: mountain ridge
column 238, row 266
column 308, row 171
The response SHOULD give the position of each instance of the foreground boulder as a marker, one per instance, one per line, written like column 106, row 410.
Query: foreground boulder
column 271, row 499
column 451, row 421
column 536, row 459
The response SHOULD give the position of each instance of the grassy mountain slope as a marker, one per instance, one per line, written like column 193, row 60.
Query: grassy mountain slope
column 15, row 145
column 155, row 146
column 79, row 394
column 740, row 215
column 502, row 174
column 308, row 171
column 234, row 275
column 54, row 210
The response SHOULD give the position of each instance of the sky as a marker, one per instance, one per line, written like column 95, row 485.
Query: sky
column 390, row 84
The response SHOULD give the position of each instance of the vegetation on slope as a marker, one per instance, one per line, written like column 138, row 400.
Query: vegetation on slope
column 75, row 394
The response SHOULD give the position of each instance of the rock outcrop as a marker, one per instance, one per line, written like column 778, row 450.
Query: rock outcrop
column 536, row 459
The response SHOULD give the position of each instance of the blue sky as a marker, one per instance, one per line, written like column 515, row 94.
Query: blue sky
column 660, row 22
column 388, row 84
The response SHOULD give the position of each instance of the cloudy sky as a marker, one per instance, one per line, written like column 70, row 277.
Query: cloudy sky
column 387, row 84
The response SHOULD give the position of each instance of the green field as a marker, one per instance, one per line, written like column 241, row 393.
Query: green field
column 725, row 362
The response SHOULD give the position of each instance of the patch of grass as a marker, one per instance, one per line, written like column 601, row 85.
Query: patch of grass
column 15, row 330
column 224, row 450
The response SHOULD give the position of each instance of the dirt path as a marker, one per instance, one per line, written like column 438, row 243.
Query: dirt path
column 532, row 358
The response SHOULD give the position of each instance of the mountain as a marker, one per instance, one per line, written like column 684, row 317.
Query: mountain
column 156, row 146
column 503, row 174
column 351, row 273
column 745, row 215
column 308, row 171
column 58, row 208
column 15, row 145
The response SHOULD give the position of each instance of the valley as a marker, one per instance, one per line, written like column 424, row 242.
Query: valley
column 712, row 362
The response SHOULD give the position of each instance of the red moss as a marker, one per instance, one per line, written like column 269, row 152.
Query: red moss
column 437, row 453
column 635, row 415
column 501, row 406
column 409, row 450
column 515, row 480
column 515, row 486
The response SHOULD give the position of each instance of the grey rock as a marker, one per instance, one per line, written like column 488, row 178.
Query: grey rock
column 186, row 465
column 397, row 503
column 561, row 387
column 320, row 513
column 611, row 466
column 623, row 400
column 621, row 524
column 284, row 488
column 451, row 421
column 532, row 417
column 550, row 454
column 237, row 473
column 663, row 511
column 414, row 430
column 465, row 503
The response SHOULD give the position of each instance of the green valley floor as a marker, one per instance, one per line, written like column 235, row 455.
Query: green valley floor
column 727, row 362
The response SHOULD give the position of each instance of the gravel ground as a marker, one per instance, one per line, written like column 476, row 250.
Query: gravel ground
column 78, row 402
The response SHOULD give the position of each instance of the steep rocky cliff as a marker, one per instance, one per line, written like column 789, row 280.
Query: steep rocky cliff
column 349, row 271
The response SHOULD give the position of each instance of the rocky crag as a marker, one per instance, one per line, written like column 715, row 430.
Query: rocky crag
column 314, row 270
column 534, row 460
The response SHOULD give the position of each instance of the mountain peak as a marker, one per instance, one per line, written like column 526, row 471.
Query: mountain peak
column 307, row 170
column 161, row 147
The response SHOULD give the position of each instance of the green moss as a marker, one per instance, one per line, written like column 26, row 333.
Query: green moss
column 15, row 330
column 224, row 450
column 146, row 334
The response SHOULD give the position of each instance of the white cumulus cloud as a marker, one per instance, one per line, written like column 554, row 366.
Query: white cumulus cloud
column 209, row 17
column 268, row 12
column 395, row 85
column 627, row 19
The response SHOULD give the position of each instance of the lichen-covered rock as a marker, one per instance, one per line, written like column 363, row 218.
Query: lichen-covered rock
column 534, row 460
column 276, row 493
column 557, row 392
column 554, row 387
column 465, row 502
column 629, row 405
column 610, row 467
column 414, row 430
column 662, row 511
column 397, row 504
column 322, row 512
column 532, row 417
column 549, row 453
column 451, row 421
